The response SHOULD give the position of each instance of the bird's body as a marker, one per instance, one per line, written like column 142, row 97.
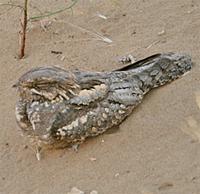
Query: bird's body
column 62, row 108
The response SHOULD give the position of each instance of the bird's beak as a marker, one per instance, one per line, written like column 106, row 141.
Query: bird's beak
column 16, row 85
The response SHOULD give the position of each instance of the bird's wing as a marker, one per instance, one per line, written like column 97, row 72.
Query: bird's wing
column 94, row 88
column 113, row 87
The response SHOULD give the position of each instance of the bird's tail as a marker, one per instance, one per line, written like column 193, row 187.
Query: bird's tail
column 159, row 69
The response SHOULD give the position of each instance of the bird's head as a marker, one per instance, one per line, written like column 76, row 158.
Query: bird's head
column 44, row 82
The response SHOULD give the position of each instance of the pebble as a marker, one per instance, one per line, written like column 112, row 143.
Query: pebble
column 93, row 192
column 93, row 159
column 127, row 59
column 75, row 190
column 161, row 32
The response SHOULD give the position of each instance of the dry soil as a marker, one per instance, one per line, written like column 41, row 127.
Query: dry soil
column 156, row 150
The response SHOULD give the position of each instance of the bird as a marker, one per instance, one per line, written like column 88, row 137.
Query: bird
column 58, row 108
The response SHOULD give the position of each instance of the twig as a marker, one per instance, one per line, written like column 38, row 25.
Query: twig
column 26, row 20
column 24, row 25
column 56, row 52
column 53, row 13
column 152, row 44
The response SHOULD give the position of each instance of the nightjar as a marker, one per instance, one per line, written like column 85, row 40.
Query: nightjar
column 60, row 108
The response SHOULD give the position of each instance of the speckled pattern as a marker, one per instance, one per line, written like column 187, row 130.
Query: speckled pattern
column 62, row 108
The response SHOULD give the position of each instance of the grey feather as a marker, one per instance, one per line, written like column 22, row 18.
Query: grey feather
column 60, row 108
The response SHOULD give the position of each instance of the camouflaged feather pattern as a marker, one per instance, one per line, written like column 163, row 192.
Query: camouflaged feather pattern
column 61, row 108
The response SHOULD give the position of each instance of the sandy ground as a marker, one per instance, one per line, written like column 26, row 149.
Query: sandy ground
column 156, row 150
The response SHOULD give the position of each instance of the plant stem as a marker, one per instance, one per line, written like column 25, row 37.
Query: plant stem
column 23, row 35
column 53, row 13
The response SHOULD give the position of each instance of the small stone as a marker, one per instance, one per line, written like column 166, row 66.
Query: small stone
column 75, row 190
column 127, row 59
column 161, row 32
column 93, row 159
column 116, row 175
column 93, row 192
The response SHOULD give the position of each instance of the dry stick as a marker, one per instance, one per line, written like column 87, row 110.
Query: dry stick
column 24, row 25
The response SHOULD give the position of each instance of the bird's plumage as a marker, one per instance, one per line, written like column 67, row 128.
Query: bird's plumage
column 61, row 108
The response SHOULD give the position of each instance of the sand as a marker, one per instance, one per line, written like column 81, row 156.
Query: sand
column 156, row 150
